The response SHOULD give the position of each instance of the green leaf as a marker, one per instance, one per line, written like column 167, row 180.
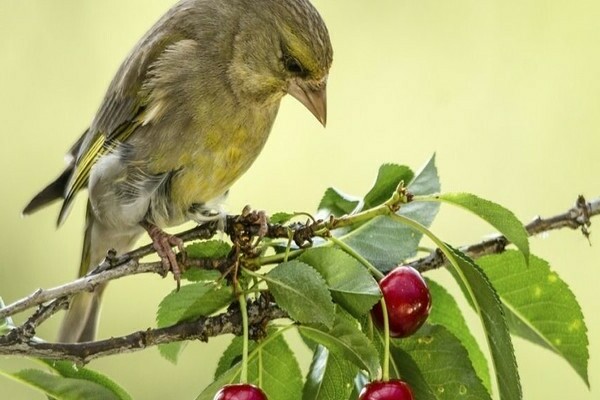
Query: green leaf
column 351, row 285
column 482, row 295
column 330, row 377
column 271, row 365
column 388, row 179
column 346, row 341
column 208, row 249
column 280, row 218
column 61, row 388
column 445, row 311
column 386, row 243
column 69, row 370
column 437, row 366
column 337, row 203
column 231, row 376
column 426, row 182
column 301, row 291
column 383, row 242
column 201, row 275
column 496, row 215
column 540, row 306
column 191, row 301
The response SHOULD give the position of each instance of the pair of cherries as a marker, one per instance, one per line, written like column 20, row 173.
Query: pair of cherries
column 408, row 302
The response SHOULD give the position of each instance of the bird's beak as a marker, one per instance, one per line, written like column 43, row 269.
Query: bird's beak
column 313, row 96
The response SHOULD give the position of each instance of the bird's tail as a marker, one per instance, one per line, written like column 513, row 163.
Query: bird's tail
column 81, row 321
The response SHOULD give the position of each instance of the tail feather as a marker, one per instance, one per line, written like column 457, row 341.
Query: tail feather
column 81, row 320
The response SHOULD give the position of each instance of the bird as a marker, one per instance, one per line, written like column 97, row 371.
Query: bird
column 186, row 114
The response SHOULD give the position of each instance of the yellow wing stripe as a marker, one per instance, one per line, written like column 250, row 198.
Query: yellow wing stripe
column 99, row 147
column 82, row 171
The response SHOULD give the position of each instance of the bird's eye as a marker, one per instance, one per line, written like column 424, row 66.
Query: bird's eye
column 292, row 65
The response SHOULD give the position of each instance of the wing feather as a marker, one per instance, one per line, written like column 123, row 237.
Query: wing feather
column 122, row 110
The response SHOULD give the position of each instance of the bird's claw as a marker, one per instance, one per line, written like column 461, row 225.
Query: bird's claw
column 259, row 218
column 163, row 243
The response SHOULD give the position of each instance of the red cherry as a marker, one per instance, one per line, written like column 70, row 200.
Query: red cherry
column 407, row 299
column 241, row 391
column 390, row 390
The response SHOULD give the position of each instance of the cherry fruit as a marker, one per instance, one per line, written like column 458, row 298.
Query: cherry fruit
column 242, row 391
column 407, row 299
column 390, row 390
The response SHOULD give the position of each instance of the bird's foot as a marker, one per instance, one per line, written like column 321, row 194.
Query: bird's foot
column 163, row 243
column 258, row 218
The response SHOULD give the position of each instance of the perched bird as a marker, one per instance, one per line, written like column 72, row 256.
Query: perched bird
column 185, row 116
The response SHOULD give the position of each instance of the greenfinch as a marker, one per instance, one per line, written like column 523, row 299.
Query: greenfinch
column 186, row 114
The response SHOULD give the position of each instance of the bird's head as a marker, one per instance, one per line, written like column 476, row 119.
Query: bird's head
column 283, row 47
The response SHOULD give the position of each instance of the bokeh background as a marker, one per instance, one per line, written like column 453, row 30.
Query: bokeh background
column 507, row 93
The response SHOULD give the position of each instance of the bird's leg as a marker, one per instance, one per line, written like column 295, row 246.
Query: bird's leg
column 163, row 243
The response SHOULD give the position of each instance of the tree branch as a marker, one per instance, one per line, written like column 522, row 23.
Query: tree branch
column 242, row 229
column 260, row 312
column 578, row 217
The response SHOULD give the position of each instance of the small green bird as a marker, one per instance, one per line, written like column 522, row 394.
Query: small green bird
column 187, row 113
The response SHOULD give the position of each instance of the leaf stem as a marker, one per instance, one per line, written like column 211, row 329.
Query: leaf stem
column 386, row 343
column 244, row 311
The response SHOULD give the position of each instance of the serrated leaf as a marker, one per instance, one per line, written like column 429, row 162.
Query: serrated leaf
column 388, row 179
column 231, row 376
column 496, row 215
column 280, row 218
column 487, row 304
column 330, row 377
column 386, row 243
column 172, row 351
column 337, row 203
column 445, row 312
column 208, row 249
column 271, row 365
column 437, row 366
column 69, row 370
column 351, row 285
column 346, row 341
column 301, row 292
column 425, row 182
column 191, row 301
column 540, row 306
column 61, row 388
column 200, row 275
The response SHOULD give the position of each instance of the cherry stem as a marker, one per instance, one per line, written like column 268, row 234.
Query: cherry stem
column 374, row 271
column 386, row 343
column 244, row 311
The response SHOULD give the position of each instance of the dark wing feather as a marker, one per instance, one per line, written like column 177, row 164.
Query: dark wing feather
column 56, row 189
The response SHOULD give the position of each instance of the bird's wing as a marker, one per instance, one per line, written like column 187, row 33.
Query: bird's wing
column 122, row 111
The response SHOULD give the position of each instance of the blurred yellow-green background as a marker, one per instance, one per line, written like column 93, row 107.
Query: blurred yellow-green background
column 507, row 93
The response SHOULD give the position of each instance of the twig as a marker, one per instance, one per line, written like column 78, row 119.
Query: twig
column 240, row 227
column 21, row 341
column 260, row 312
column 85, row 284
column 578, row 217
